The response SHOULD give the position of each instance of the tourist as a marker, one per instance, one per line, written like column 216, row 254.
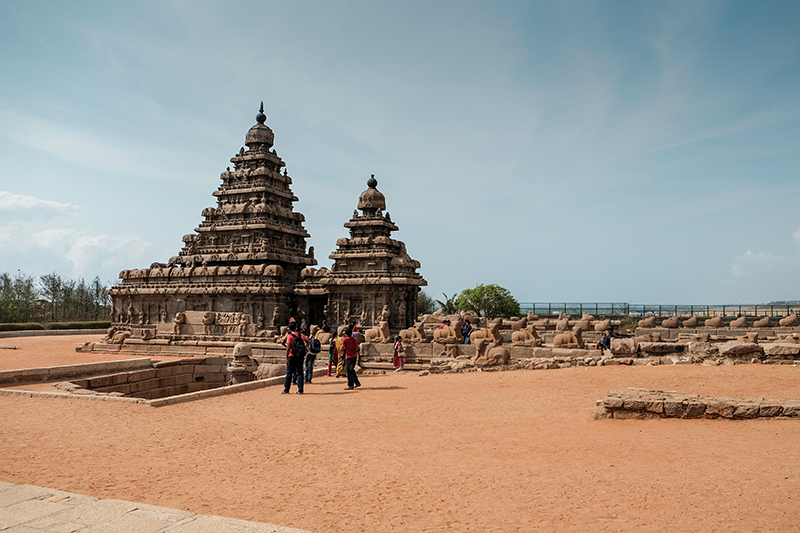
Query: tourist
column 350, row 344
column 296, row 347
column 605, row 342
column 333, row 355
column 399, row 354
column 340, row 373
column 314, row 347
column 466, row 329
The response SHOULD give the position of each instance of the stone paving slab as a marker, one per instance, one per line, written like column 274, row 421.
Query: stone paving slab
column 28, row 508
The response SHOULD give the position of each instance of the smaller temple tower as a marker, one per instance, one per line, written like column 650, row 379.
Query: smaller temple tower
column 373, row 279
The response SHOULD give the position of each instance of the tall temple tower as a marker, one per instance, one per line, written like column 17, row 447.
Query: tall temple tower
column 236, row 274
column 373, row 279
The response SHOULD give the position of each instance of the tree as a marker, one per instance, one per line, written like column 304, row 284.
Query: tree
column 449, row 304
column 17, row 298
column 425, row 304
column 492, row 301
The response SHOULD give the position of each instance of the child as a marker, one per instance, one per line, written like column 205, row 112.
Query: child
column 399, row 354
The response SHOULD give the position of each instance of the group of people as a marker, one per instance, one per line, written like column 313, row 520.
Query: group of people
column 301, row 354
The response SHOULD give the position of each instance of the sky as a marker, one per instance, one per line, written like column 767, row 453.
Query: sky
column 641, row 152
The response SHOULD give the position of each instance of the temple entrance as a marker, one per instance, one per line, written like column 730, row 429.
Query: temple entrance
column 316, row 309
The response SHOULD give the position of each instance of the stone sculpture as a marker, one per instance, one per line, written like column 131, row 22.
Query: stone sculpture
column 563, row 322
column 180, row 319
column 519, row 324
column 379, row 333
column 569, row 339
column 208, row 322
column 491, row 333
column 748, row 337
column 740, row 322
column 525, row 337
column 244, row 321
column 794, row 338
column 119, row 337
column 414, row 334
column 602, row 325
column 242, row 367
column 715, row 322
column 690, row 322
column 649, row 322
column 671, row 322
column 762, row 322
column 790, row 320
column 447, row 334
column 490, row 354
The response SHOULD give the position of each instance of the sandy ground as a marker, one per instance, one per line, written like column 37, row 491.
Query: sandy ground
column 482, row 452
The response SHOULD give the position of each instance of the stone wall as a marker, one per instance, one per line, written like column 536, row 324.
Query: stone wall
column 168, row 378
column 644, row 404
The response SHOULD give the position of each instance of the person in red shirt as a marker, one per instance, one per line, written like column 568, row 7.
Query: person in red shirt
column 350, row 344
column 296, row 347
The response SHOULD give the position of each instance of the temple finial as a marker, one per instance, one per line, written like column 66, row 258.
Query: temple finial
column 261, row 117
column 372, row 182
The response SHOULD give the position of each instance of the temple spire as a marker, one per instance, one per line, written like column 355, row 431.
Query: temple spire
column 261, row 117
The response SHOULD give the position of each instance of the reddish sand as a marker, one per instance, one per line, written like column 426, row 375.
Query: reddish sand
column 490, row 451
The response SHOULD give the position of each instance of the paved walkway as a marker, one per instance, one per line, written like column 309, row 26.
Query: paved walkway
column 28, row 509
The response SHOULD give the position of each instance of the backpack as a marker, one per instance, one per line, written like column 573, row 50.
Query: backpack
column 298, row 346
column 315, row 345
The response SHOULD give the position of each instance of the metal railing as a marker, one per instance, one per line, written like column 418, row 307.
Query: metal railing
column 644, row 310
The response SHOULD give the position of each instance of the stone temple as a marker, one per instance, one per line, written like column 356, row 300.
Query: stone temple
column 245, row 270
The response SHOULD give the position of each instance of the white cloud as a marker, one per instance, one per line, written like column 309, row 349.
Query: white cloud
column 18, row 202
column 26, row 244
column 764, row 264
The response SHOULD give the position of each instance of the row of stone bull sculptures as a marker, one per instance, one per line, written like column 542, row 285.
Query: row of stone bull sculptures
column 717, row 322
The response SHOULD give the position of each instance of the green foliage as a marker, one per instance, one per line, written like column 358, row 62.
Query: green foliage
column 25, row 326
column 21, row 326
column 17, row 298
column 425, row 304
column 491, row 301
column 448, row 305
column 98, row 324
column 629, row 322
column 51, row 298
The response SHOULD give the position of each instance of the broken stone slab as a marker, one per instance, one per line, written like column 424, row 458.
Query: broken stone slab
column 739, row 349
column 779, row 349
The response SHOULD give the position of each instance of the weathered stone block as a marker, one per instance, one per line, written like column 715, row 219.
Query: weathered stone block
column 767, row 410
column 791, row 408
column 694, row 409
column 674, row 408
column 611, row 402
column 654, row 406
column 141, row 375
column 746, row 410
column 720, row 409
column 781, row 349
column 739, row 349
column 633, row 404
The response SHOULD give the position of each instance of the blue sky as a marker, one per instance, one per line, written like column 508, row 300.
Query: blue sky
column 643, row 152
